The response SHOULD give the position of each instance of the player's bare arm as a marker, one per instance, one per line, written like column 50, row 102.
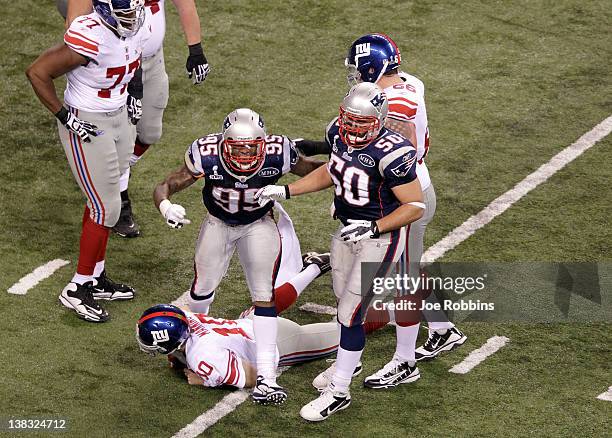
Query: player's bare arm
column 76, row 8
column 178, row 180
column 51, row 64
column 305, row 165
column 407, row 129
column 411, row 197
column 175, row 182
column 313, row 182
column 190, row 21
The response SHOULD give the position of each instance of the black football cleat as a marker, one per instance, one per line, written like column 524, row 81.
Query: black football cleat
column 322, row 260
column 126, row 226
column 266, row 392
column 106, row 289
column 79, row 297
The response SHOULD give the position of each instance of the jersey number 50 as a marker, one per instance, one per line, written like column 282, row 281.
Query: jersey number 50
column 351, row 182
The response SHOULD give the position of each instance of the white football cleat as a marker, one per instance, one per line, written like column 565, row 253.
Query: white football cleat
column 329, row 402
column 437, row 343
column 393, row 374
column 323, row 380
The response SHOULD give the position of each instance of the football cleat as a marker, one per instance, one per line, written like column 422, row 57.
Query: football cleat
column 266, row 392
column 322, row 260
column 126, row 226
column 392, row 374
column 79, row 297
column 329, row 402
column 106, row 289
column 323, row 380
column 437, row 343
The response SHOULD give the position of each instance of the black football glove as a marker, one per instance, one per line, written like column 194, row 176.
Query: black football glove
column 134, row 109
column 197, row 65
column 83, row 129
column 135, row 91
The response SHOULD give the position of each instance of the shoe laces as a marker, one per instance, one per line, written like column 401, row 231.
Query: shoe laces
column 432, row 341
column 87, row 297
column 390, row 366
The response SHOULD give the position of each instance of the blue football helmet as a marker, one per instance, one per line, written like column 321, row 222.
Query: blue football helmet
column 162, row 328
column 124, row 16
column 370, row 57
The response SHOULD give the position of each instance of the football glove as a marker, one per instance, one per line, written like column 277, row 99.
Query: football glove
column 174, row 214
column 197, row 65
column 134, row 109
column 83, row 129
column 271, row 193
column 358, row 230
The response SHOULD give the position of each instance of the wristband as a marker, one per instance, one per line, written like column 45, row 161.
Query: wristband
column 287, row 194
column 62, row 115
column 418, row 204
column 164, row 206
column 196, row 49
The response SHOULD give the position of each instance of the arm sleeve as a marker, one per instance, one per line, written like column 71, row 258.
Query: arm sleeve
column 290, row 155
column 218, row 367
column 193, row 160
column 83, row 40
column 399, row 166
column 309, row 148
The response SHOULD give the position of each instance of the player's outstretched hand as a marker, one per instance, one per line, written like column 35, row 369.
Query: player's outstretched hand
column 174, row 214
column 197, row 65
column 358, row 230
column 193, row 378
column 83, row 129
column 271, row 193
column 134, row 109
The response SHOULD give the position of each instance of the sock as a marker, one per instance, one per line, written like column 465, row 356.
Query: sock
column 287, row 293
column 265, row 327
column 98, row 269
column 406, row 342
column 124, row 180
column 352, row 342
column 436, row 319
column 200, row 304
column 93, row 239
column 139, row 149
column 376, row 319
column 440, row 327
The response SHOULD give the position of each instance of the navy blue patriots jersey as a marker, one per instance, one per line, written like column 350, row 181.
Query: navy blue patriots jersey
column 231, row 199
column 363, row 178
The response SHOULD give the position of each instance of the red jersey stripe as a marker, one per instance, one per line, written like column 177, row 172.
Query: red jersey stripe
column 80, row 35
column 80, row 44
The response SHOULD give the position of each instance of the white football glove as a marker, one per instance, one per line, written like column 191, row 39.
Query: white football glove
column 271, row 193
column 358, row 230
column 174, row 214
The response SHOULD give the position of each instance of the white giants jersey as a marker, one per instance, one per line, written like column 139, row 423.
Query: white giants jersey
column 407, row 103
column 100, row 86
column 217, row 347
column 156, row 17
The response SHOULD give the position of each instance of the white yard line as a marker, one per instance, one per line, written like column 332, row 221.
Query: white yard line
column 225, row 406
column 458, row 235
column 477, row 356
column 318, row 308
column 606, row 396
column 36, row 276
column 531, row 181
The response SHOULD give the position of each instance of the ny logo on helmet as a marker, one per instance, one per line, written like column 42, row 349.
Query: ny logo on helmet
column 160, row 336
column 362, row 49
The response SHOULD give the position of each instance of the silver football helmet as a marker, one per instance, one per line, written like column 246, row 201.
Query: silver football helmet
column 244, row 138
column 362, row 114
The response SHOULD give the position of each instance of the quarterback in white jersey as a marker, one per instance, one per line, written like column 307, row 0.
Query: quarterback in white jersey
column 100, row 56
column 155, row 80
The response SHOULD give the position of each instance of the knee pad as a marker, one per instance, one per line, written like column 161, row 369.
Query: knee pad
column 352, row 338
column 200, row 304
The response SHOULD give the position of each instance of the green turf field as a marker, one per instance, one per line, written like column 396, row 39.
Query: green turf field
column 508, row 85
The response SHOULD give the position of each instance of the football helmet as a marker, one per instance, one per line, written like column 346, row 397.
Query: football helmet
column 123, row 16
column 244, row 138
column 362, row 114
column 162, row 328
column 370, row 57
